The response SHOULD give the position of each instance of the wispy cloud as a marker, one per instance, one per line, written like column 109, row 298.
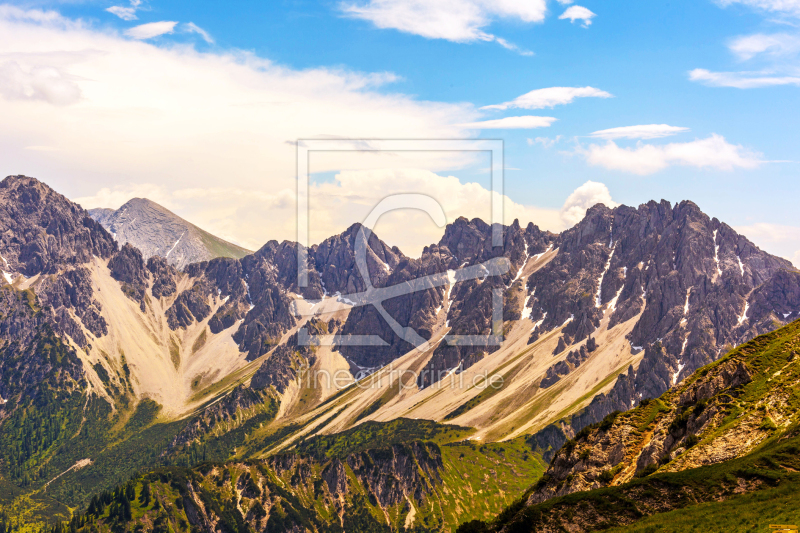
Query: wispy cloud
column 191, row 27
column 550, row 97
column 151, row 29
column 460, row 21
column 513, row 47
column 581, row 13
column 546, row 142
column 773, row 58
column 713, row 152
column 774, row 45
column 512, row 123
column 648, row 131
column 126, row 12
column 789, row 8
column 741, row 80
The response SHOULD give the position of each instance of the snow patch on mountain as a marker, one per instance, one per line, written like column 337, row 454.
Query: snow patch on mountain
column 676, row 374
column 598, row 297
column 174, row 245
column 744, row 314
column 716, row 253
column 686, row 305
column 539, row 322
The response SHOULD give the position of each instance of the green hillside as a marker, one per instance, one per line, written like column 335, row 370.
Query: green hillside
column 745, row 493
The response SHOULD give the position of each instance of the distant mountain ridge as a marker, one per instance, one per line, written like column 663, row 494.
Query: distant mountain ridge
column 157, row 231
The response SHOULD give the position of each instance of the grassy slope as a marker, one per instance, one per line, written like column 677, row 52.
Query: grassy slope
column 475, row 481
column 221, row 248
column 746, row 513
column 120, row 445
column 371, row 435
column 481, row 479
column 696, row 495
column 28, row 511
column 478, row 479
column 708, row 497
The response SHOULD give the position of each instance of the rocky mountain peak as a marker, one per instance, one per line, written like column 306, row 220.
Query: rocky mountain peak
column 41, row 230
column 335, row 260
column 697, row 286
column 157, row 231
column 464, row 238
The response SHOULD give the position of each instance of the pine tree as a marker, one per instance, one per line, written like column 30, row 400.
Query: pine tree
column 144, row 497
column 130, row 491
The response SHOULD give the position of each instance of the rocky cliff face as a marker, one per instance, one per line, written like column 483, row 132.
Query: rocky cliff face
column 465, row 307
column 47, row 239
column 33, row 361
column 127, row 267
column 470, row 304
column 41, row 231
column 691, row 280
column 284, row 364
column 156, row 231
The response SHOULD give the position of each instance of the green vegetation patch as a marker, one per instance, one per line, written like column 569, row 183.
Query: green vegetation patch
column 379, row 435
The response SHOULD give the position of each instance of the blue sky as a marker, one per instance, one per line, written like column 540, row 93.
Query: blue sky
column 715, row 83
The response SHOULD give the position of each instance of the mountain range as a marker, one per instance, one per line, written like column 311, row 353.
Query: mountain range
column 135, row 342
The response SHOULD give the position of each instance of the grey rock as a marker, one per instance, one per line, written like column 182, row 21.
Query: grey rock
column 157, row 231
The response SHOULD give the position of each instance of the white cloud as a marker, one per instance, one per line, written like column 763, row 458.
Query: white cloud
column 777, row 52
column 42, row 82
column 349, row 198
column 775, row 238
column 151, row 29
column 775, row 45
column 354, row 193
column 459, row 21
column 565, row 2
column 779, row 7
column 574, row 13
column 713, row 152
column 525, row 122
column 335, row 206
column 550, row 97
column 126, row 12
column 587, row 195
column 741, row 80
column 191, row 27
column 546, row 142
column 190, row 120
column 646, row 131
